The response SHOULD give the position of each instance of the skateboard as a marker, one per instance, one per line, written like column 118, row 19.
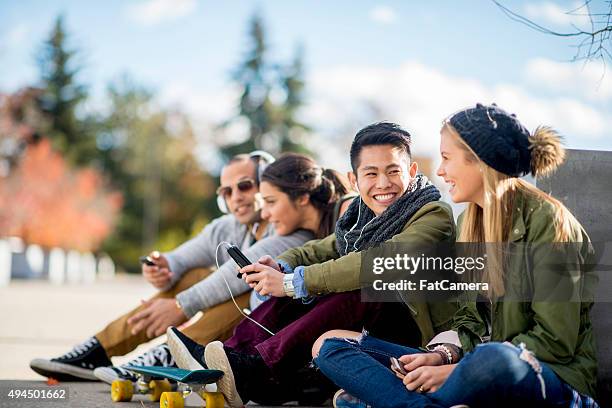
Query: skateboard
column 154, row 381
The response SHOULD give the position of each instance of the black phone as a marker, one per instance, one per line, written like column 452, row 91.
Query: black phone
column 147, row 260
column 397, row 366
column 238, row 257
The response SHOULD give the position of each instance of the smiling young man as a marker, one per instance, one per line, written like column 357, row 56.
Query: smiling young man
column 186, row 285
column 395, row 204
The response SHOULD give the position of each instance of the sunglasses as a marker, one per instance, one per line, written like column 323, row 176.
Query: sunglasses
column 242, row 185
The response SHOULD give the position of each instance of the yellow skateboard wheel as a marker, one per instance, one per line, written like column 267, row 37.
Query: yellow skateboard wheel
column 214, row 399
column 122, row 390
column 157, row 387
column 171, row 400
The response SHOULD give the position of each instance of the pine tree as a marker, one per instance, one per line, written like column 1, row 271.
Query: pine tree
column 273, row 125
column 255, row 104
column 62, row 95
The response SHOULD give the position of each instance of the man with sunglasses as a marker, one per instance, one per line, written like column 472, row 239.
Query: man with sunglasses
column 176, row 274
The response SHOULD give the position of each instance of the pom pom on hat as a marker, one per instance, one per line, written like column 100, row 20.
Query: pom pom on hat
column 547, row 152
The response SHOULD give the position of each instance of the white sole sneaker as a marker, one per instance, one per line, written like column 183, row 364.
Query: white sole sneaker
column 216, row 359
column 106, row 374
column 180, row 353
column 50, row 368
column 110, row 374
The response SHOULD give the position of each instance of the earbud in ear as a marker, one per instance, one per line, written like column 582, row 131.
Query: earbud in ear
column 222, row 204
column 258, row 201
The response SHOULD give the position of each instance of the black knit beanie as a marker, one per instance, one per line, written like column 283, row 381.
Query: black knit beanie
column 497, row 138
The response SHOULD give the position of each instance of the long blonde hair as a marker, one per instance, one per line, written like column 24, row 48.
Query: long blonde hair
column 492, row 223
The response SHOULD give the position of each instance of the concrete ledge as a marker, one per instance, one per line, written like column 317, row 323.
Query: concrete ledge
column 80, row 395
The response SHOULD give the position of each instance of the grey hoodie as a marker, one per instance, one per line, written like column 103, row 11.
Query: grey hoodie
column 199, row 252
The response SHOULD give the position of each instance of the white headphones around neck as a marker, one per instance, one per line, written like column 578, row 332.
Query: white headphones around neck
column 262, row 159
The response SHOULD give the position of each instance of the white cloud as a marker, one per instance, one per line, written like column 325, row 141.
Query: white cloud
column 590, row 80
column 573, row 118
column 547, row 12
column 419, row 97
column 342, row 99
column 206, row 104
column 207, row 108
column 151, row 12
column 383, row 15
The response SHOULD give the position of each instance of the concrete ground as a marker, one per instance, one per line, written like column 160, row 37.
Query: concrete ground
column 79, row 395
column 43, row 320
column 84, row 395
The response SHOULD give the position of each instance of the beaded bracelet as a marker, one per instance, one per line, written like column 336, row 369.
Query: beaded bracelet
column 457, row 352
column 441, row 354
column 445, row 352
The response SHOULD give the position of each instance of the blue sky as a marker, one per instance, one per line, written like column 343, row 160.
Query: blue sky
column 415, row 61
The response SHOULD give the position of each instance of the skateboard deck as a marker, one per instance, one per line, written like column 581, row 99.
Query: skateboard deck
column 178, row 374
column 154, row 382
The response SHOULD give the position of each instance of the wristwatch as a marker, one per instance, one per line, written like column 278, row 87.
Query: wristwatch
column 288, row 285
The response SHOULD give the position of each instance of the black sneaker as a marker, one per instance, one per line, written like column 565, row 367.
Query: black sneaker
column 112, row 373
column 76, row 365
column 187, row 353
column 245, row 376
column 158, row 356
column 314, row 388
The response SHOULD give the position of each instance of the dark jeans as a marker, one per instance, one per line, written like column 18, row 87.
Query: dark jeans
column 493, row 375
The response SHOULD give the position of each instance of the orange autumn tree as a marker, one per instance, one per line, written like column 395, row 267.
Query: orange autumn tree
column 46, row 202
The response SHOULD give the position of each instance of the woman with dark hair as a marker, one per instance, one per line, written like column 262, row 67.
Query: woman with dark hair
column 273, row 369
column 298, row 194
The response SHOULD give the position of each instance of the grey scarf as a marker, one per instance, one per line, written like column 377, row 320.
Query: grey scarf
column 369, row 230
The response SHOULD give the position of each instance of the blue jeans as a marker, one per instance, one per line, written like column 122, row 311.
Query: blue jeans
column 492, row 375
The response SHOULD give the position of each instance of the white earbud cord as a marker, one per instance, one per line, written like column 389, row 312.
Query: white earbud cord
column 353, row 227
column 232, row 295
column 360, row 233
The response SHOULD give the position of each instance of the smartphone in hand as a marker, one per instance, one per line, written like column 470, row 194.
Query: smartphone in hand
column 147, row 260
column 397, row 366
column 238, row 257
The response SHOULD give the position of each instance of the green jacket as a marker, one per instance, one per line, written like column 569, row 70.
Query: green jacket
column 326, row 272
column 558, row 332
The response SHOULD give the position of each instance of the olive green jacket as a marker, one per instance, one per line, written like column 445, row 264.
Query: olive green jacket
column 327, row 272
column 558, row 332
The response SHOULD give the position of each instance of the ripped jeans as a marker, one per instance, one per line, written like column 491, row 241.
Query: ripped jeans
column 492, row 375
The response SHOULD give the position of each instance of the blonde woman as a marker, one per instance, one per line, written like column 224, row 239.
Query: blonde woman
column 504, row 351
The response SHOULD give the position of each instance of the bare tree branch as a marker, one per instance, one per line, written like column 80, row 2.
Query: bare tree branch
column 594, row 44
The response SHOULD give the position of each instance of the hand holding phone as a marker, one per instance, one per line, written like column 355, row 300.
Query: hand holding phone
column 238, row 257
column 155, row 269
column 147, row 260
column 397, row 366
